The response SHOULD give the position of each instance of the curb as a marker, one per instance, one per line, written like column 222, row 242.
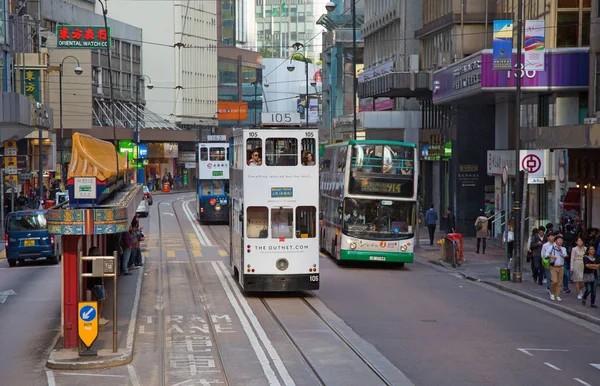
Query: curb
column 566, row 310
column 110, row 359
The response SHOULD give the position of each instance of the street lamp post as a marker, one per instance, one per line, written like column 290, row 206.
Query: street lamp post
column 330, row 6
column 255, row 84
column 150, row 86
column 112, row 93
column 78, row 71
column 517, row 272
column 291, row 68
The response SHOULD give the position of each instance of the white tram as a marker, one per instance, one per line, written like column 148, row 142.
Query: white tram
column 274, row 188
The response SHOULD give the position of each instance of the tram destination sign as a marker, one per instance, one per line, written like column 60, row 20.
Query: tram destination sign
column 280, row 119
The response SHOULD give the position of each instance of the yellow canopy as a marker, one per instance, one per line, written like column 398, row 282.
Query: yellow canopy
column 92, row 157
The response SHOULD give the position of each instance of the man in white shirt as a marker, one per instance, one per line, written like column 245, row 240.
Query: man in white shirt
column 557, row 255
column 546, row 248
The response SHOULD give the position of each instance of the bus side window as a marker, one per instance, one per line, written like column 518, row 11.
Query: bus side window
column 306, row 222
column 282, row 221
column 257, row 220
column 203, row 154
column 308, row 156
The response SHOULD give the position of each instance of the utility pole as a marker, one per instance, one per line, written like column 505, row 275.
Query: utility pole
column 354, row 59
column 517, row 258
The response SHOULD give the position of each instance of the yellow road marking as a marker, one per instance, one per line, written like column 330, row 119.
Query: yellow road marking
column 223, row 253
column 197, row 254
column 171, row 254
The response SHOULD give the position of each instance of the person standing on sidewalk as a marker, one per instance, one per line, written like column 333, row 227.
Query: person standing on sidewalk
column 590, row 276
column 569, row 242
column 536, row 245
column 557, row 255
column 127, row 245
column 450, row 221
column 577, row 255
column 509, row 238
column 481, row 225
column 431, row 218
column 545, row 261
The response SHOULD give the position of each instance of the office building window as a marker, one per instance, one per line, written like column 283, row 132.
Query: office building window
column 573, row 23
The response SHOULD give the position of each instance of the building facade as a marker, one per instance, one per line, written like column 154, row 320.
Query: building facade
column 240, row 70
column 280, row 24
column 473, row 107
column 179, row 48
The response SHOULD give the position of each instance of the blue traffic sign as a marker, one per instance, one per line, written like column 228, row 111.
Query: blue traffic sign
column 87, row 313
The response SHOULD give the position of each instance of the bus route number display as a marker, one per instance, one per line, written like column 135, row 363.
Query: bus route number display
column 402, row 188
column 381, row 187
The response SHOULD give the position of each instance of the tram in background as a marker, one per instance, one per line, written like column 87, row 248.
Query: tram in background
column 274, row 209
column 213, row 182
column 369, row 201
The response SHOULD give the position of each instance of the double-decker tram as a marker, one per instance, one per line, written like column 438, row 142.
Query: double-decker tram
column 213, row 182
column 369, row 201
column 274, row 209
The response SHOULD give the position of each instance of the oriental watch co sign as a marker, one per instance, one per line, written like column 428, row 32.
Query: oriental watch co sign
column 82, row 36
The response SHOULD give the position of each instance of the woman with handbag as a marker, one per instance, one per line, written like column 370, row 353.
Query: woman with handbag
column 577, row 255
column 591, row 262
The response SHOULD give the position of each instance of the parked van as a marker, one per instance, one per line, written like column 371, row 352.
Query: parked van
column 27, row 237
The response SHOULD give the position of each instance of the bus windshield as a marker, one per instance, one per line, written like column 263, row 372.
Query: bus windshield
column 378, row 219
column 382, row 170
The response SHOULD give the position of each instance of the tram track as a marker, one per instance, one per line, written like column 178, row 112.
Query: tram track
column 310, row 365
column 201, row 292
column 161, row 316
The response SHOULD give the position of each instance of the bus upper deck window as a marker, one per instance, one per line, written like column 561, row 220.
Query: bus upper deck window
column 281, row 151
column 308, row 152
column 203, row 154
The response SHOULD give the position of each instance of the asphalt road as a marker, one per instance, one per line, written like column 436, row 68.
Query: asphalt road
column 443, row 330
column 29, row 320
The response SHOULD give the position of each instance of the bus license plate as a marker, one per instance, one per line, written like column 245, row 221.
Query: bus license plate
column 377, row 258
column 29, row 243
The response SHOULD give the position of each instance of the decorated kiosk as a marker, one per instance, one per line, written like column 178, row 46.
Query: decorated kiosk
column 101, row 203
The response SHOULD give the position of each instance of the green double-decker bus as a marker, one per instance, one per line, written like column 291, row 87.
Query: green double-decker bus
column 368, row 193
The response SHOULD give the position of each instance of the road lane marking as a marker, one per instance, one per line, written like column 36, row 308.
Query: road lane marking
column 223, row 253
column 262, row 357
column 287, row 379
column 133, row 376
column 195, row 226
column 582, row 382
column 526, row 350
column 552, row 366
column 197, row 253
column 596, row 365
column 94, row 375
column 50, row 378
column 171, row 254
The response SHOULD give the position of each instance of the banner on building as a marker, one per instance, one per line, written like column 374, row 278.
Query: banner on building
column 534, row 45
column 32, row 84
column 83, row 36
column 502, row 47
column 232, row 111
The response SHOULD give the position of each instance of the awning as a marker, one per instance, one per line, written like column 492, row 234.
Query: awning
column 397, row 85
column 125, row 116
column 92, row 157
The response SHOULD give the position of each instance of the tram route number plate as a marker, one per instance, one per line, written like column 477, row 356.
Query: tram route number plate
column 377, row 258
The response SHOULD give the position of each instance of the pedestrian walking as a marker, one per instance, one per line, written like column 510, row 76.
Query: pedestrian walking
column 431, row 218
column 537, row 269
column 577, row 255
column 450, row 221
column 556, row 254
column 508, row 238
column 590, row 276
column 569, row 242
column 549, row 237
column 481, row 225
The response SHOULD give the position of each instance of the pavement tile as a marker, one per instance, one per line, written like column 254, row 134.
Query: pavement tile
column 486, row 269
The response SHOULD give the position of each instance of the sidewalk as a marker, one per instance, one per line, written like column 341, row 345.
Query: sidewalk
column 128, row 288
column 184, row 190
column 486, row 269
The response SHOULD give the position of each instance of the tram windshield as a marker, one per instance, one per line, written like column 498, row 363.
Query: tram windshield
column 378, row 219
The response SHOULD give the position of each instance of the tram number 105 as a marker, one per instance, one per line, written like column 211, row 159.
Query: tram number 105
column 280, row 118
column 313, row 278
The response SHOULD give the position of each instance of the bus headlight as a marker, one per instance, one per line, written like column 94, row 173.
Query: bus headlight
column 403, row 248
column 282, row 264
column 352, row 245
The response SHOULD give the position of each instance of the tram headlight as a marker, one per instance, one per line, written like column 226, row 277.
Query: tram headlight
column 282, row 264
column 352, row 245
column 403, row 248
column 218, row 207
